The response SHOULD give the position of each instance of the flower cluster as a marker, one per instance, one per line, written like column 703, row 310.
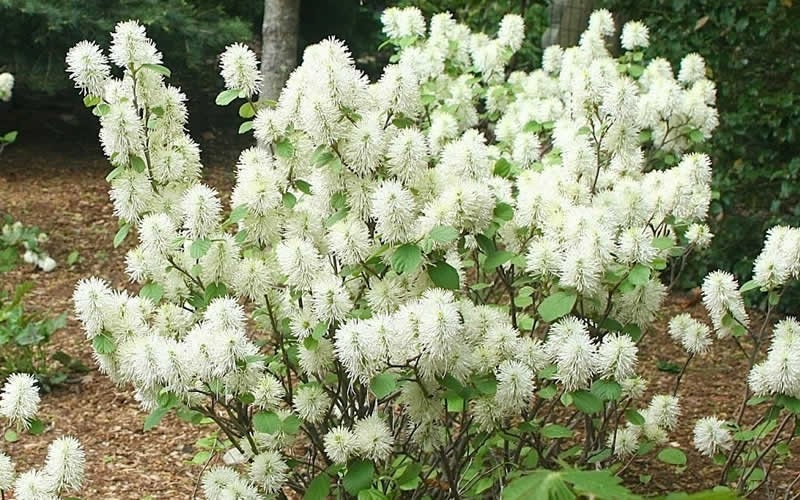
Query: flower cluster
column 6, row 86
column 350, row 293
column 63, row 468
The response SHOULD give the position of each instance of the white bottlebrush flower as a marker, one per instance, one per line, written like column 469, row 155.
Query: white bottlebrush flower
column 374, row 439
column 311, row 403
column 693, row 335
column 633, row 388
column 330, row 300
column 693, row 68
column 200, row 209
column 699, row 235
column 722, row 298
column 65, row 463
column 299, row 261
column 6, row 86
column 89, row 297
column 407, row 154
column 394, row 209
column 239, row 69
column 269, row 471
column 663, row 412
column 400, row 23
column 7, row 473
column 349, row 239
column 711, row 436
column 514, row 386
column 340, row 444
column 217, row 480
column 130, row 47
column 19, row 400
column 88, row 67
column 616, row 356
column 780, row 372
column 634, row 35
column 157, row 234
column 121, row 132
column 319, row 360
column 512, row 31
column 625, row 441
column 267, row 392
column 34, row 485
column 635, row 246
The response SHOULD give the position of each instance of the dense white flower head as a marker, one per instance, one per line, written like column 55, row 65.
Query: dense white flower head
column 240, row 69
column 35, row 485
column 88, row 67
column 373, row 438
column 65, row 463
column 694, row 336
column 400, row 23
column 130, row 47
column 7, row 472
column 340, row 444
column 634, row 35
column 722, row 299
column 19, row 400
column 6, row 86
column 269, row 471
column 711, row 436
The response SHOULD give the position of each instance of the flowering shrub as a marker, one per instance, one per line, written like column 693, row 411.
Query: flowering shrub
column 17, row 238
column 63, row 469
column 6, row 87
column 435, row 283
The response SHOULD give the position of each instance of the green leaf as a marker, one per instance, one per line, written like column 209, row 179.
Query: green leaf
column 750, row 285
column 291, row 425
column 382, row 385
column 555, row 431
column 11, row 436
column 284, row 148
column 247, row 110
column 607, row 390
column 586, row 402
column 138, row 164
column 409, row 478
column 122, row 232
column 672, row 456
column 201, row 457
column 267, row 422
column 663, row 243
column 443, row 234
column 226, row 97
column 497, row 258
column 502, row 168
column 696, row 136
column 152, row 291
column 318, row 488
column 35, row 427
column 303, row 186
column 444, row 275
column 289, row 200
column 504, row 211
column 639, row 275
column 91, row 100
column 557, row 305
column 199, row 248
column 634, row 417
column 246, row 127
column 237, row 214
column 10, row 137
column 358, row 476
column 155, row 417
column 406, row 258
column 539, row 484
column 103, row 344
column 158, row 68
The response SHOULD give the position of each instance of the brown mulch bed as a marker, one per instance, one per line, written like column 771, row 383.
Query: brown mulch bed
column 56, row 181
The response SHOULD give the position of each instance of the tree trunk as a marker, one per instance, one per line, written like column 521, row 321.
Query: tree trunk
column 568, row 19
column 278, row 44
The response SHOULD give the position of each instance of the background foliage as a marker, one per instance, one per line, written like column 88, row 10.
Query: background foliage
column 750, row 49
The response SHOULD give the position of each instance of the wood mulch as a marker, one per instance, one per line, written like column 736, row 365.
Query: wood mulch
column 53, row 177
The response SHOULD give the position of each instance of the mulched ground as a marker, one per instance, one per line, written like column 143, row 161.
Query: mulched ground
column 53, row 177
